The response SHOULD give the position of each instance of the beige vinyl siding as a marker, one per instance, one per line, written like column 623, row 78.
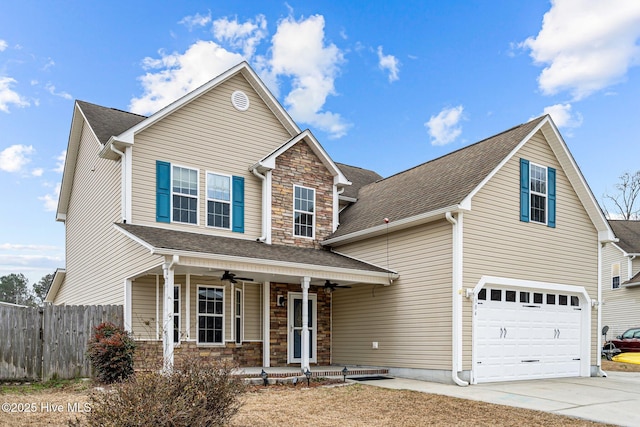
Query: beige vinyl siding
column 145, row 316
column 497, row 243
column 208, row 134
column 98, row 257
column 252, row 316
column 410, row 319
column 620, row 307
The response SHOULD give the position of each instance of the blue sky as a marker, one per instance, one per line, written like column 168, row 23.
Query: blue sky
column 383, row 85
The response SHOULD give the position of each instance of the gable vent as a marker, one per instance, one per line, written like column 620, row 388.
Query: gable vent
column 240, row 100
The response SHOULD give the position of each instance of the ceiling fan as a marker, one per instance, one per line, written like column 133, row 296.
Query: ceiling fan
column 330, row 287
column 231, row 277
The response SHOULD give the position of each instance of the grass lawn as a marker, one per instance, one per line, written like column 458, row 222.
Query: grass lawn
column 57, row 402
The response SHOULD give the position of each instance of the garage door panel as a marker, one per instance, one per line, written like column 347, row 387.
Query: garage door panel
column 525, row 340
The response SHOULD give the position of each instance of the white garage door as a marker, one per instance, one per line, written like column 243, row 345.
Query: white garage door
column 526, row 334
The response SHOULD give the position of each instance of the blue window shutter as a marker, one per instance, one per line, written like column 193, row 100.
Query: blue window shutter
column 163, row 191
column 551, row 183
column 238, row 204
column 524, row 190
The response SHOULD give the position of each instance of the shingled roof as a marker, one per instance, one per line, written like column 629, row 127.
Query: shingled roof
column 629, row 234
column 433, row 185
column 161, row 238
column 108, row 122
column 359, row 177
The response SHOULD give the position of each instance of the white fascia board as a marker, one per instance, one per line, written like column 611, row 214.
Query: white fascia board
column 467, row 200
column 391, row 273
column 75, row 133
column 258, row 265
column 246, row 71
column 393, row 226
column 135, row 238
column 269, row 161
column 624, row 253
column 58, row 278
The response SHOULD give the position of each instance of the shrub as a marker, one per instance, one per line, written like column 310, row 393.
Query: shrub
column 195, row 394
column 111, row 350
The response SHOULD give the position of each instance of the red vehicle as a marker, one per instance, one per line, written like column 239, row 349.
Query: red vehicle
column 629, row 341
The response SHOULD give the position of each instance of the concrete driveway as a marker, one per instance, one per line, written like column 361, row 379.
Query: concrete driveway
column 613, row 400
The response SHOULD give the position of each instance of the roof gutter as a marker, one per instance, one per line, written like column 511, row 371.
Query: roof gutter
column 456, row 320
column 266, row 202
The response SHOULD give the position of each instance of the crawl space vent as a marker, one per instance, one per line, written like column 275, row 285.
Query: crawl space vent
column 240, row 100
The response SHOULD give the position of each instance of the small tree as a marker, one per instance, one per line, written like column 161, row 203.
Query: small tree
column 111, row 351
column 41, row 288
column 625, row 200
column 14, row 289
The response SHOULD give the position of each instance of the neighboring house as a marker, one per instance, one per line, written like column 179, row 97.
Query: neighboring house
column 224, row 229
column 621, row 278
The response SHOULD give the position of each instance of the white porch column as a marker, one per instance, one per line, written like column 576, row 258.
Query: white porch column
column 266, row 324
column 167, row 314
column 127, row 305
column 304, row 359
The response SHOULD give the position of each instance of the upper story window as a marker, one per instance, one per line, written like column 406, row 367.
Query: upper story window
column 184, row 189
column 218, row 200
column 615, row 275
column 538, row 193
column 304, row 200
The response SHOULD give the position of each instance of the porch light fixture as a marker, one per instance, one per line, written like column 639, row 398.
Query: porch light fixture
column 307, row 373
column 344, row 373
column 265, row 377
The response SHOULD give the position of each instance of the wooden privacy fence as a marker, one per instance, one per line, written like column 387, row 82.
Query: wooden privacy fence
column 39, row 343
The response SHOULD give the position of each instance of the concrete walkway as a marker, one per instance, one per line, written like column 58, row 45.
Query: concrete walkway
column 613, row 400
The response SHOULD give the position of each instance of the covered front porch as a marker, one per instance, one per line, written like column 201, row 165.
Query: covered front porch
column 255, row 304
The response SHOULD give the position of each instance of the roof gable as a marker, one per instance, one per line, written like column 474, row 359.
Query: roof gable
column 449, row 183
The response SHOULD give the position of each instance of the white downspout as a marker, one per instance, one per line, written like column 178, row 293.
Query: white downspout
column 123, row 172
column 167, row 313
column 599, row 307
column 265, row 206
column 456, row 319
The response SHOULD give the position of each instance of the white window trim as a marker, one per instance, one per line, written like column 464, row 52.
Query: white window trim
column 613, row 275
column 210, row 344
column 237, row 291
column 178, row 314
column 207, row 199
column 545, row 195
column 313, row 214
column 197, row 197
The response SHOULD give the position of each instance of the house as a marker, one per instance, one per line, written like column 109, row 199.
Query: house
column 227, row 231
column 621, row 278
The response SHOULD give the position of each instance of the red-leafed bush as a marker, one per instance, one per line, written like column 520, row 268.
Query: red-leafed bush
column 111, row 351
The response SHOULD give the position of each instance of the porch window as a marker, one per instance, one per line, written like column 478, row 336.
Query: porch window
column 238, row 317
column 176, row 314
column 210, row 315
column 303, row 211
column 218, row 200
column 185, row 195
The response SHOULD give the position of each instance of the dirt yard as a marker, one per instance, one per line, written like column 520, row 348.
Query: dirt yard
column 351, row 405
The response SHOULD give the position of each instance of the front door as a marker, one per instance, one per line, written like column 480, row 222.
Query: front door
column 295, row 327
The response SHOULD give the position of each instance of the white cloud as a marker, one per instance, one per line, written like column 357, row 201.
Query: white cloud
column 15, row 157
column 181, row 73
column 586, row 45
column 8, row 96
column 299, row 52
column 3, row 45
column 52, row 90
column 60, row 162
column 563, row 117
column 37, row 172
column 389, row 63
column 196, row 20
column 245, row 36
column 444, row 128
column 51, row 200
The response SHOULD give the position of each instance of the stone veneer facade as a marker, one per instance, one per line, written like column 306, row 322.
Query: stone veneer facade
column 149, row 352
column 299, row 165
